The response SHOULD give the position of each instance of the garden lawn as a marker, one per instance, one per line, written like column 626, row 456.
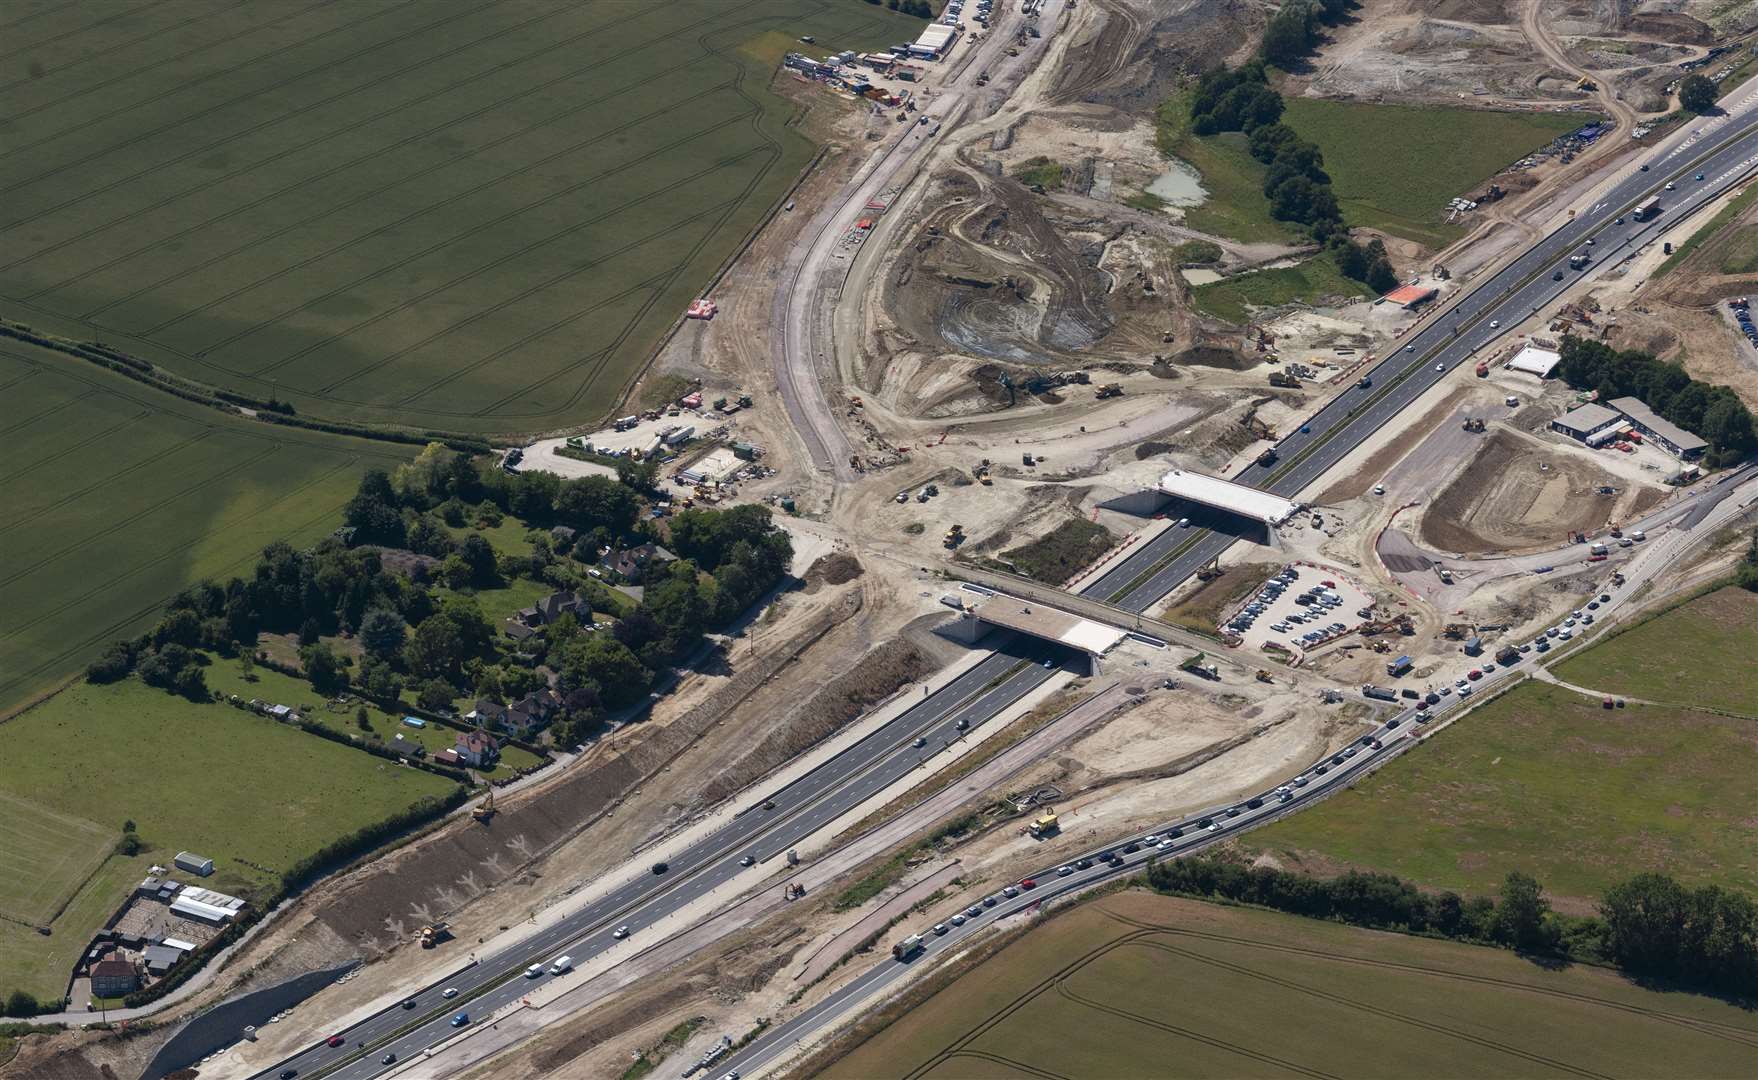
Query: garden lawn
column 1312, row 282
column 1394, row 167
column 1546, row 781
column 210, row 778
column 1669, row 657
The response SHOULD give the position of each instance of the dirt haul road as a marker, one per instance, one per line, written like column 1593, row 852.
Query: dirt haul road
column 814, row 278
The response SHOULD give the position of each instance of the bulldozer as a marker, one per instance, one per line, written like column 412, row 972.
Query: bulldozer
column 1474, row 423
column 1456, row 631
column 1109, row 390
column 484, row 811
column 1263, row 675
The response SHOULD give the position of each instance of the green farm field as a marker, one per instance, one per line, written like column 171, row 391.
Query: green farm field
column 450, row 214
column 1139, row 985
column 234, row 786
column 1658, row 660
column 118, row 495
column 1393, row 167
column 1234, row 298
column 1546, row 781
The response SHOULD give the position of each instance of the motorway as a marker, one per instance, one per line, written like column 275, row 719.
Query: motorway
column 764, row 831
column 1199, row 830
column 1726, row 151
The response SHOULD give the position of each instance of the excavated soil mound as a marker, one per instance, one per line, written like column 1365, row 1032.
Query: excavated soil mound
column 1513, row 496
column 835, row 569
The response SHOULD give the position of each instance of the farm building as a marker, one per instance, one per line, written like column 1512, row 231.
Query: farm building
column 205, row 905
column 200, row 865
column 1669, row 435
column 161, row 958
column 113, row 978
column 1585, row 422
column 934, row 42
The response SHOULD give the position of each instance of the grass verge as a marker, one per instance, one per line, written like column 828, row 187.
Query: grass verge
column 1054, row 557
column 1707, row 232
column 1313, row 281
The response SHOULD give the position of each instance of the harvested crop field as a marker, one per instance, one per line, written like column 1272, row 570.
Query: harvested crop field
column 1516, row 494
column 1139, row 985
column 118, row 495
column 455, row 214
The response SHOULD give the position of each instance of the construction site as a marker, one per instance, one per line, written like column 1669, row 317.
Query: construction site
column 967, row 364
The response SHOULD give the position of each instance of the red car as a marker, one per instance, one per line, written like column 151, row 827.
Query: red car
column 1028, row 883
column 1474, row 674
column 336, row 1040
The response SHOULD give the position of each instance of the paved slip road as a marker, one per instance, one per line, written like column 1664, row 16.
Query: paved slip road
column 1392, row 737
column 1725, row 151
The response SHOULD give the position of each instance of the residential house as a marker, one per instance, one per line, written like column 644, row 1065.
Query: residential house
column 530, row 712
column 631, row 564
column 487, row 713
column 552, row 607
column 113, row 978
column 477, row 748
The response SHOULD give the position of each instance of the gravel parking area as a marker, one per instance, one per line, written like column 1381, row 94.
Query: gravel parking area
column 1333, row 608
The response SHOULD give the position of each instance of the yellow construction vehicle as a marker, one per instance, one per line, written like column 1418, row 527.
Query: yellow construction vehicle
column 433, row 934
column 1109, row 390
column 1263, row 675
column 484, row 811
column 1045, row 825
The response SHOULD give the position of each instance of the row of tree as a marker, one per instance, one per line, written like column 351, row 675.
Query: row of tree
column 919, row 8
column 1713, row 412
column 1297, row 27
column 1649, row 926
column 1295, row 181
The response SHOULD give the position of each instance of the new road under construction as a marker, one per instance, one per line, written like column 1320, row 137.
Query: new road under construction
column 1079, row 555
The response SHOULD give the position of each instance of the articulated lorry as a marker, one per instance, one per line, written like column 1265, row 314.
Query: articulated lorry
column 908, row 947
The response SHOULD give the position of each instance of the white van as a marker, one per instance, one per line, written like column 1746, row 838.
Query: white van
column 561, row 964
column 535, row 971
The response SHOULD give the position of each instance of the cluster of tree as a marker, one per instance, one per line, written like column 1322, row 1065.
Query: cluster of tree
column 1697, row 93
column 1521, row 920
column 23, row 1003
column 1295, row 181
column 1650, row 925
column 1708, row 937
column 1746, row 574
column 442, row 645
column 1295, row 30
column 921, row 9
column 1715, row 413
column 729, row 558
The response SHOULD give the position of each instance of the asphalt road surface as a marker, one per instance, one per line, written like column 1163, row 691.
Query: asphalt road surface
column 1726, row 151
column 799, row 809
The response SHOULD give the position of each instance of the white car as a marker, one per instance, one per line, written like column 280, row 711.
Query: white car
column 451, row 992
column 1495, row 324
column 958, row 920
column 1440, row 367
column 620, row 933
column 1409, row 348
column 1064, row 871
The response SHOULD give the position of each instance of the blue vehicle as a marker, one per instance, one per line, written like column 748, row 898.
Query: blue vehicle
column 460, row 1020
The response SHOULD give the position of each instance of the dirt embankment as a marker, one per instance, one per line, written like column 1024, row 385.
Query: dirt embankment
column 876, row 676
column 378, row 907
column 1514, row 495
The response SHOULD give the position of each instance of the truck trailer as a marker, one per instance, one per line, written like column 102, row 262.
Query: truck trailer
column 1378, row 693
column 908, row 947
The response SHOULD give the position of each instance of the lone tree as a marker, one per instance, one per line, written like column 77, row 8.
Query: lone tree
column 1697, row 94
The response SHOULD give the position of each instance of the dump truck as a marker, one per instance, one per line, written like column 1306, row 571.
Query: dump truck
column 1263, row 675
column 1507, row 654
column 434, row 933
column 908, row 947
column 1046, row 825
column 1397, row 667
column 1201, row 665
column 1379, row 693
column 1109, row 390
column 1284, row 380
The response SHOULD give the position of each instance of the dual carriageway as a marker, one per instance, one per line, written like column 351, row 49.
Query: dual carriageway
column 1722, row 151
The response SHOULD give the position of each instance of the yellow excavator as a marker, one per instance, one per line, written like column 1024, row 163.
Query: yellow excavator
column 484, row 811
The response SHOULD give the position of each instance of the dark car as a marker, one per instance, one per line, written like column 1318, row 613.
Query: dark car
column 1233, row 811
column 1131, row 848
column 660, row 868
column 1254, row 802
column 408, row 1003
column 389, row 1059
column 289, row 1074
column 1558, row 276
column 1175, row 834
column 1084, row 864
